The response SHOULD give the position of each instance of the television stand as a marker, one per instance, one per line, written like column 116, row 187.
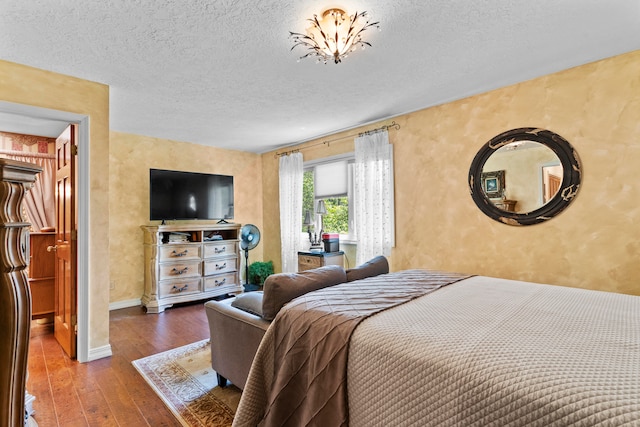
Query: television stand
column 186, row 263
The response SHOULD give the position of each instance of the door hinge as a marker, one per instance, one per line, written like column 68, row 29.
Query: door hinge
column 74, row 150
column 74, row 234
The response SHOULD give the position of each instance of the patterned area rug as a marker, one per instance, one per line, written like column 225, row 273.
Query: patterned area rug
column 185, row 382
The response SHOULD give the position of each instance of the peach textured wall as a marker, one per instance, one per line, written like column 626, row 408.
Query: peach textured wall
column 131, row 157
column 594, row 244
column 31, row 86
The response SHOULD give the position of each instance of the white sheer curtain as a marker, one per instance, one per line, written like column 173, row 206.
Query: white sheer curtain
column 290, row 210
column 40, row 199
column 373, row 196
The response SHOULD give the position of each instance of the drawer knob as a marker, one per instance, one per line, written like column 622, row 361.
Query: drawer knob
column 179, row 254
column 220, row 267
column 221, row 282
column 177, row 289
column 181, row 271
column 220, row 250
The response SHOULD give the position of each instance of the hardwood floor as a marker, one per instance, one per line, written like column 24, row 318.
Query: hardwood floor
column 109, row 392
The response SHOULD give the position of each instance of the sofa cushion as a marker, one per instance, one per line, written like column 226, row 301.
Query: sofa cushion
column 373, row 267
column 281, row 288
column 251, row 302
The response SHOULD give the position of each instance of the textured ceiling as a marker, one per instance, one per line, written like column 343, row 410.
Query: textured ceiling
column 220, row 72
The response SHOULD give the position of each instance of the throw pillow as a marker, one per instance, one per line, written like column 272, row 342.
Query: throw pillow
column 251, row 302
column 281, row 288
column 373, row 267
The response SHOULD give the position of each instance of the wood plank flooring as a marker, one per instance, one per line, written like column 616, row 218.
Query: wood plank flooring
column 109, row 392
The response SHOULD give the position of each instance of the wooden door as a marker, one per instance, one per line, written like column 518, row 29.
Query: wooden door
column 554, row 185
column 65, row 318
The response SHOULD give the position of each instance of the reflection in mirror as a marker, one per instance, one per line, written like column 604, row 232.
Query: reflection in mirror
column 525, row 176
column 551, row 181
column 532, row 175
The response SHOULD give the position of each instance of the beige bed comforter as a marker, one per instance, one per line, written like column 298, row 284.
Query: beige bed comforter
column 483, row 352
column 492, row 352
column 299, row 373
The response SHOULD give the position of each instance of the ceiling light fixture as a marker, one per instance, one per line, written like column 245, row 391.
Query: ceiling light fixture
column 333, row 36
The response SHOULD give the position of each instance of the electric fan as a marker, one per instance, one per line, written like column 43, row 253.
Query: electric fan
column 249, row 239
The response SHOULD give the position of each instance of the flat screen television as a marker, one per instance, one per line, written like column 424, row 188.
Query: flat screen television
column 189, row 195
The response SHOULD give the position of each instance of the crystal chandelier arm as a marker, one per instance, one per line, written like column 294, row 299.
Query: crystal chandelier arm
column 364, row 27
column 306, row 42
column 302, row 39
column 354, row 19
column 318, row 27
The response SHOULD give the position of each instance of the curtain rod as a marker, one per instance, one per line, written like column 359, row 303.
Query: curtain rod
column 368, row 132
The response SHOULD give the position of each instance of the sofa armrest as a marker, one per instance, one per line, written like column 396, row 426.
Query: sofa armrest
column 235, row 336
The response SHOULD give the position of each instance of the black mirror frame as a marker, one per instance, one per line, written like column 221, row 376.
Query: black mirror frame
column 571, row 177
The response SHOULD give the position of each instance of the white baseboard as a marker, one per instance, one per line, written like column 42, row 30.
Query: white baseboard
column 99, row 353
column 124, row 304
column 105, row 351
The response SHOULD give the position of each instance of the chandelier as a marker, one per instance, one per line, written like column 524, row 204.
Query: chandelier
column 333, row 36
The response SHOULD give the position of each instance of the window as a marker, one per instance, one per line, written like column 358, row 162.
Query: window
column 329, row 180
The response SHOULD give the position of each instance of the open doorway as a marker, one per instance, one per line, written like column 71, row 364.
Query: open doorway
column 49, row 206
column 33, row 118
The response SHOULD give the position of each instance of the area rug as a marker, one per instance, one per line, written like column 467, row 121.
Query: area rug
column 185, row 382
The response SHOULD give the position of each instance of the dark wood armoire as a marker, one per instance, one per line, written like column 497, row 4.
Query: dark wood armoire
column 15, row 299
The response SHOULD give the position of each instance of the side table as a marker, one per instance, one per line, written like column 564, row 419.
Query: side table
column 308, row 260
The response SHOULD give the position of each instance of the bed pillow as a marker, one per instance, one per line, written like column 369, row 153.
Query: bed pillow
column 373, row 267
column 281, row 288
column 251, row 302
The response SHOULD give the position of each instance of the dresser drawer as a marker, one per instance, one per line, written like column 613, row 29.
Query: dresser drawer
column 174, row 270
column 219, row 280
column 220, row 265
column 216, row 249
column 186, row 286
column 178, row 252
column 306, row 262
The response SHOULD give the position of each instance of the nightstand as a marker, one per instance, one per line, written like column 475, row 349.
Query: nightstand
column 309, row 260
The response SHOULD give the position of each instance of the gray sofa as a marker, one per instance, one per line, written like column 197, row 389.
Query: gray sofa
column 238, row 324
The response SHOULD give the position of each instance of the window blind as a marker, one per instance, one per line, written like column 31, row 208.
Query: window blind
column 331, row 179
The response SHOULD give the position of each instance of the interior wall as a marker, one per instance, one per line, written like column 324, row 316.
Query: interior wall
column 31, row 86
column 130, row 159
column 593, row 244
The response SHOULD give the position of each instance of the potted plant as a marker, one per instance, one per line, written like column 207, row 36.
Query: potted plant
column 259, row 271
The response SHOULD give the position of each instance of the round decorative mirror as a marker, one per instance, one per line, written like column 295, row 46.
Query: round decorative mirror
column 525, row 176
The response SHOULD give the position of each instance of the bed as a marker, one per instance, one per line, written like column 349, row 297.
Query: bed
column 457, row 350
